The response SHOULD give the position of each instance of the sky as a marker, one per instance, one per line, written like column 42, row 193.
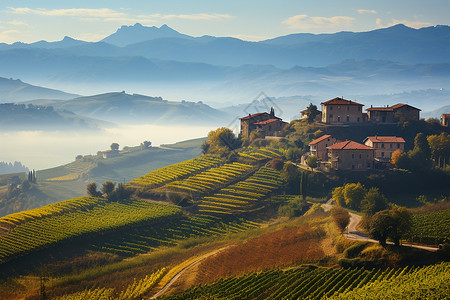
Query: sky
column 33, row 20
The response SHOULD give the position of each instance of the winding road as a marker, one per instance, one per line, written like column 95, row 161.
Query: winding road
column 354, row 234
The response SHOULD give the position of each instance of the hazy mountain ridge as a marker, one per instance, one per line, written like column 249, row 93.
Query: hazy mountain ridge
column 139, row 109
column 15, row 90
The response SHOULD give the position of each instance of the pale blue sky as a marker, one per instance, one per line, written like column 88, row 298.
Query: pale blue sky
column 34, row 20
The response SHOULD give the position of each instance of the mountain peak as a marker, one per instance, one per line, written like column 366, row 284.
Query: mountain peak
column 127, row 35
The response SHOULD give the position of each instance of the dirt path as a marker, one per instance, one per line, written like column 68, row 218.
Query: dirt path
column 187, row 268
column 353, row 233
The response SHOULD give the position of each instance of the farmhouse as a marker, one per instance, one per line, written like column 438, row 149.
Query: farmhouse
column 110, row 153
column 318, row 147
column 341, row 111
column 393, row 114
column 445, row 120
column 385, row 145
column 266, row 123
column 350, row 155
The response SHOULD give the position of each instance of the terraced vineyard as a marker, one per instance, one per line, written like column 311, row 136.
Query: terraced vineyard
column 327, row 283
column 210, row 179
column 97, row 215
column 176, row 171
column 258, row 154
column 433, row 227
column 243, row 195
column 169, row 233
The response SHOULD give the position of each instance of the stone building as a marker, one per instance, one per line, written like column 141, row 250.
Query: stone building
column 341, row 111
column 266, row 123
column 405, row 112
column 385, row 145
column 445, row 120
column 350, row 155
column 380, row 114
column 318, row 147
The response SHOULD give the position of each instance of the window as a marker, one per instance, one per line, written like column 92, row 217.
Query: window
column 331, row 116
column 360, row 156
column 357, row 119
column 353, row 155
column 348, row 119
column 348, row 107
column 368, row 165
column 353, row 167
column 398, row 146
column 331, row 107
column 382, row 154
column 382, row 145
column 391, row 146
column 376, row 146
column 339, row 118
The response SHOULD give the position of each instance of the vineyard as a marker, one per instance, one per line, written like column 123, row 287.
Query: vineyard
column 258, row 154
column 210, row 179
column 100, row 217
column 169, row 233
column 133, row 291
column 328, row 283
column 176, row 171
column 243, row 195
column 433, row 227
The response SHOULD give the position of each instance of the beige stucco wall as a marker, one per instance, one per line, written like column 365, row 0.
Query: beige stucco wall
column 320, row 149
column 340, row 114
column 351, row 159
column 385, row 149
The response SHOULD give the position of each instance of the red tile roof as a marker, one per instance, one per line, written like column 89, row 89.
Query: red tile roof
column 252, row 116
column 267, row 121
column 385, row 139
column 320, row 139
column 446, row 116
column 340, row 101
column 401, row 105
column 389, row 108
column 350, row 145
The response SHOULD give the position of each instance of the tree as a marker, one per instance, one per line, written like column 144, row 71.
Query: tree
column 311, row 112
column 114, row 146
column 91, row 189
column 440, row 148
column 373, row 202
column 108, row 188
column 341, row 217
column 222, row 141
column 25, row 185
column 311, row 161
column 290, row 176
column 400, row 159
column 393, row 224
column 353, row 194
column 277, row 164
column 146, row 144
column 78, row 157
column 338, row 196
column 421, row 154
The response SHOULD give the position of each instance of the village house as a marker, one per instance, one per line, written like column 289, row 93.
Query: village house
column 380, row 114
column 341, row 111
column 445, row 120
column 385, row 145
column 350, row 155
column 318, row 147
column 266, row 123
column 405, row 112
column 393, row 114
column 110, row 153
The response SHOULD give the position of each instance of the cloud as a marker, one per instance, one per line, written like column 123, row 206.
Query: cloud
column 192, row 17
column 366, row 11
column 307, row 22
column 71, row 12
column 18, row 23
column 412, row 24
column 8, row 36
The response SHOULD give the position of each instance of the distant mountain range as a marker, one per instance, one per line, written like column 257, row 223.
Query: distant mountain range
column 398, row 43
column 224, row 69
column 120, row 107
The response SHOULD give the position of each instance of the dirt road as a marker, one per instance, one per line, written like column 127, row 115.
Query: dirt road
column 353, row 233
